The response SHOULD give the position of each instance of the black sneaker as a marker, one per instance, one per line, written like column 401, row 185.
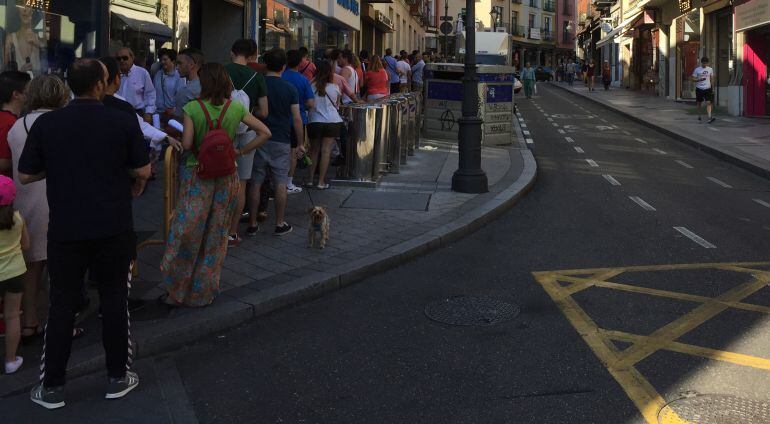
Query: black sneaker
column 282, row 229
column 252, row 231
column 699, row 118
column 712, row 120
column 119, row 387
column 48, row 397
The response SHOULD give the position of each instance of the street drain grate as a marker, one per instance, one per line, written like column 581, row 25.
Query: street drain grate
column 716, row 409
column 468, row 310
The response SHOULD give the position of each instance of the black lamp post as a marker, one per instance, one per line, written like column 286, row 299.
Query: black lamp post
column 469, row 177
column 495, row 14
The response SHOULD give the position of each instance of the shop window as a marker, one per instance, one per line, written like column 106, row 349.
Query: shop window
column 687, row 50
column 45, row 39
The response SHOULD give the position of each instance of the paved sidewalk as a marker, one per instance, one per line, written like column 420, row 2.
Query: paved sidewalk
column 408, row 215
column 739, row 140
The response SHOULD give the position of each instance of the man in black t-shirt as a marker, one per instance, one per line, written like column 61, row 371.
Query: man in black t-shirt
column 93, row 159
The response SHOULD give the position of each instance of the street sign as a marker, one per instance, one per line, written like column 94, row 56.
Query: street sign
column 447, row 18
column 445, row 28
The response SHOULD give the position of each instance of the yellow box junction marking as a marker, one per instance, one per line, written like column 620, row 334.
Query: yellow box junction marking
column 621, row 364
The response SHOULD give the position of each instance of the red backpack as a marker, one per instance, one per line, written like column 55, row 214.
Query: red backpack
column 216, row 155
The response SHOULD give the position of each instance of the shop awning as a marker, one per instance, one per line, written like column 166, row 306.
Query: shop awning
column 141, row 21
column 611, row 35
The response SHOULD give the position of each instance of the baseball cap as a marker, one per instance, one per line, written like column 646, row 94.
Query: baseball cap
column 7, row 191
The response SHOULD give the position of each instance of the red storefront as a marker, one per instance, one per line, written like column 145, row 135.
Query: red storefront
column 753, row 19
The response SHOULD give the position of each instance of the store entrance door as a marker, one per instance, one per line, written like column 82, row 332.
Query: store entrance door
column 755, row 65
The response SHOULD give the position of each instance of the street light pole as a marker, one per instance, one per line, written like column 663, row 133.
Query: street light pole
column 469, row 177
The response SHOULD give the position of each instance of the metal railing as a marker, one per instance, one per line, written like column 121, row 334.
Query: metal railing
column 516, row 1
column 546, row 36
column 549, row 6
column 519, row 31
column 533, row 3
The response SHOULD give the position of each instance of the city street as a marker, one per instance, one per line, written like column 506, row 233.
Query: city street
column 640, row 266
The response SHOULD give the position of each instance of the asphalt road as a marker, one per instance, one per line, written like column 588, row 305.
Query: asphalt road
column 369, row 354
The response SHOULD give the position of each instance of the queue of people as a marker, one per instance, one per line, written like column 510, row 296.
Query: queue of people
column 243, row 126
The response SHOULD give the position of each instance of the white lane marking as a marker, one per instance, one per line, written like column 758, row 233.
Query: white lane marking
column 525, row 132
column 569, row 139
column 660, row 151
column 713, row 129
column 554, row 124
column 694, row 237
column 626, row 133
column 610, row 179
column 579, row 150
column 719, row 182
column 549, row 119
column 728, row 120
column 561, row 131
column 603, row 120
column 646, row 206
column 530, row 141
column 616, row 127
column 641, row 141
column 750, row 139
column 592, row 163
column 685, row 164
column 762, row 202
column 523, row 125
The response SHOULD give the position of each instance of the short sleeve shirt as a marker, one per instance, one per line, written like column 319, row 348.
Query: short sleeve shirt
column 7, row 119
column 704, row 74
column 403, row 69
column 86, row 150
column 304, row 90
column 240, row 74
column 233, row 117
column 191, row 90
column 281, row 95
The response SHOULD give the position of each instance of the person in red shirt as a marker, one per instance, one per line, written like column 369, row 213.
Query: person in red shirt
column 377, row 80
column 306, row 66
column 13, row 86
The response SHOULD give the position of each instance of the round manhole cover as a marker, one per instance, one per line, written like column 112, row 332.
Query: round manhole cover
column 467, row 310
column 715, row 409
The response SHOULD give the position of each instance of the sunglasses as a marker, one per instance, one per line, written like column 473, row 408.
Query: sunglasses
column 122, row 58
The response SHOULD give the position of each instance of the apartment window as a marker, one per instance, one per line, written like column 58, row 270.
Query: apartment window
column 532, row 21
column 532, row 3
column 547, row 24
column 514, row 20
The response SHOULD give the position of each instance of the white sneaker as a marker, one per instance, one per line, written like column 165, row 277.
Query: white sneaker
column 294, row 189
column 13, row 366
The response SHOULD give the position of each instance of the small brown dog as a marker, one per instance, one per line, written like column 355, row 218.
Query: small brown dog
column 319, row 223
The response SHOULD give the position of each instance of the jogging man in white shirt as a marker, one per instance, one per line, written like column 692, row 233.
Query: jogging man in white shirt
column 703, row 76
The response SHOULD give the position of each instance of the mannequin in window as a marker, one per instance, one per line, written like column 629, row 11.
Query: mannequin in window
column 23, row 46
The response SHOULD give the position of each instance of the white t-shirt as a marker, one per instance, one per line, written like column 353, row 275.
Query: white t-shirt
column 403, row 69
column 704, row 74
column 325, row 110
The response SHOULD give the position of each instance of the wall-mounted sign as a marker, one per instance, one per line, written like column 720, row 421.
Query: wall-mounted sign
column 351, row 5
column 752, row 14
column 534, row 33
column 685, row 6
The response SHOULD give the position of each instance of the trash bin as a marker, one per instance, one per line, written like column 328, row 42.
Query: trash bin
column 412, row 123
column 359, row 150
column 394, row 134
column 381, row 138
column 406, row 134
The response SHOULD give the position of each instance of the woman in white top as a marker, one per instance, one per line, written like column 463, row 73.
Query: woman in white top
column 349, row 73
column 45, row 93
column 325, row 122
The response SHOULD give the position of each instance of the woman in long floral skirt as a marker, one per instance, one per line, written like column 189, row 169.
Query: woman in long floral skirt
column 197, row 240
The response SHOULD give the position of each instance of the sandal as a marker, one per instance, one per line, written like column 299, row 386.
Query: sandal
column 309, row 185
column 322, row 187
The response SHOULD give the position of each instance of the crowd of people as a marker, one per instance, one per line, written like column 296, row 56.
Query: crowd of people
column 73, row 154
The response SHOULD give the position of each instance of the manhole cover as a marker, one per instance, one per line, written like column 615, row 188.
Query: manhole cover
column 715, row 409
column 467, row 310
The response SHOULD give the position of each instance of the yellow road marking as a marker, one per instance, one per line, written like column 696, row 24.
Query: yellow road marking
column 621, row 364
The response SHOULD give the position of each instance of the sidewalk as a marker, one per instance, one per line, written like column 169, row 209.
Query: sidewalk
column 408, row 215
column 742, row 141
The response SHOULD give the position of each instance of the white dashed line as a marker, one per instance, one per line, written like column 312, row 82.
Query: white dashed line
column 641, row 141
column 626, row 133
column 530, row 141
column 569, row 139
column 610, row 179
column 762, row 202
column 554, row 124
column 549, row 119
column 579, row 150
column 694, row 237
column 592, row 163
column 750, row 139
column 646, row 206
column 659, row 151
column 719, row 182
column 713, row 129
column 561, row 131
column 685, row 164
column 523, row 125
column 603, row 120
column 525, row 132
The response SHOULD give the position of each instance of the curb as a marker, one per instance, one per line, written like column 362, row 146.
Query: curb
column 230, row 311
column 713, row 151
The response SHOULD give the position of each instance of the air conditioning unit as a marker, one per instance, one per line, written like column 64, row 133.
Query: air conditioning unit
column 502, row 29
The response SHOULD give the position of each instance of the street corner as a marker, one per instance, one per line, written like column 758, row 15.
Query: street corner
column 686, row 342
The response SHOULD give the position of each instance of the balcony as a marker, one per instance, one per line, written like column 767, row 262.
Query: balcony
column 547, row 36
column 516, row 1
column 549, row 6
column 519, row 31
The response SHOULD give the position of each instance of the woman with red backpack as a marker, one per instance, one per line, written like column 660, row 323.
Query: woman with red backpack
column 208, row 188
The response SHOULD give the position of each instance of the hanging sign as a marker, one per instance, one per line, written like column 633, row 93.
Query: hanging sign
column 752, row 14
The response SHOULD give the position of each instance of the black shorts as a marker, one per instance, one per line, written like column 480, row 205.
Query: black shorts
column 702, row 95
column 318, row 130
column 12, row 285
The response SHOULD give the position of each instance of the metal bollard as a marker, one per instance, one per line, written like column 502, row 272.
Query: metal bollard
column 394, row 134
column 381, row 138
column 359, row 150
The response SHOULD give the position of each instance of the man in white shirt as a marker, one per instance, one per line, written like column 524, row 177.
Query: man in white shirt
column 404, row 73
column 703, row 76
column 136, row 85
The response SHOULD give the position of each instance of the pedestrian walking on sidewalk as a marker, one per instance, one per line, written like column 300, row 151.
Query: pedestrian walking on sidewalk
column 571, row 70
column 528, row 78
column 97, row 240
column 606, row 75
column 703, row 76
column 590, row 74
column 197, row 240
